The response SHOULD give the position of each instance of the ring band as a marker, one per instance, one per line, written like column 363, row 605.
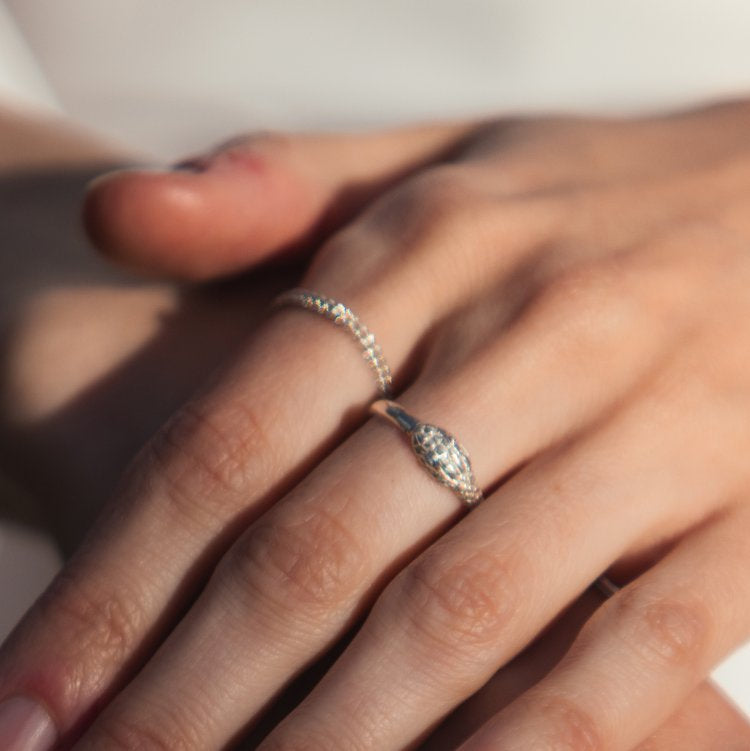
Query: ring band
column 341, row 315
column 605, row 586
column 438, row 451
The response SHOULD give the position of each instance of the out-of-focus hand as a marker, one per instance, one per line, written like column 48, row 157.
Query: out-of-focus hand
column 568, row 298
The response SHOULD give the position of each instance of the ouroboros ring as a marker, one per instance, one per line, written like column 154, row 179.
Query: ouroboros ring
column 341, row 315
column 438, row 451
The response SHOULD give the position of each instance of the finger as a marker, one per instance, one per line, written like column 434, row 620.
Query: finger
column 706, row 720
column 643, row 653
column 299, row 577
column 517, row 676
column 488, row 586
column 253, row 198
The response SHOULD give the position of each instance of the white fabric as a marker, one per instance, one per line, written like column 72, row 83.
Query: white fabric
column 168, row 76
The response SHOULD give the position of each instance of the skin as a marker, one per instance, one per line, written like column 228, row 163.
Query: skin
column 609, row 253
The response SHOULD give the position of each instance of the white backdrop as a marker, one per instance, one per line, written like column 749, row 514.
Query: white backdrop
column 167, row 76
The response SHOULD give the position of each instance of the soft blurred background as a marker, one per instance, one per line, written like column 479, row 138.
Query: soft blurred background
column 161, row 78
column 170, row 75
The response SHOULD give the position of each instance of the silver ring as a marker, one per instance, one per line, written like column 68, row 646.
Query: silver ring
column 438, row 451
column 605, row 586
column 341, row 315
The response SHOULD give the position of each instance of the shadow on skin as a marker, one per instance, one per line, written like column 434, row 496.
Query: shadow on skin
column 61, row 304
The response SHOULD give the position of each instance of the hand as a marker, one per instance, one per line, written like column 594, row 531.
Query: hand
column 513, row 236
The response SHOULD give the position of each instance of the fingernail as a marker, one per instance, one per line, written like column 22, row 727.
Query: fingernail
column 25, row 726
column 116, row 174
column 105, row 177
column 190, row 165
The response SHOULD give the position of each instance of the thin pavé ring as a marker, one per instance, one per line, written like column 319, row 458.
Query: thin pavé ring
column 344, row 316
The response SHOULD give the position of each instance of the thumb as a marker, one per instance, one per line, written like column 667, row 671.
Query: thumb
column 251, row 199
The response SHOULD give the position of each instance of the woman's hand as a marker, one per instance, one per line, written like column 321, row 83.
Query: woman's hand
column 568, row 298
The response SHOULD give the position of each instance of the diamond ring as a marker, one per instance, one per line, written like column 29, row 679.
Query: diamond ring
column 438, row 451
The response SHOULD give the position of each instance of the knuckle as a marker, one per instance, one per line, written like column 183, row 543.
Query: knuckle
column 593, row 299
column 568, row 727
column 352, row 246
column 692, row 239
column 658, row 284
column 587, row 285
column 695, row 258
column 461, row 604
column 440, row 189
column 436, row 203
column 207, row 457
column 301, row 559
column 103, row 624
column 666, row 630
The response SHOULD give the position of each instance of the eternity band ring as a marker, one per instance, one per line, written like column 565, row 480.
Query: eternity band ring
column 341, row 315
column 438, row 451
